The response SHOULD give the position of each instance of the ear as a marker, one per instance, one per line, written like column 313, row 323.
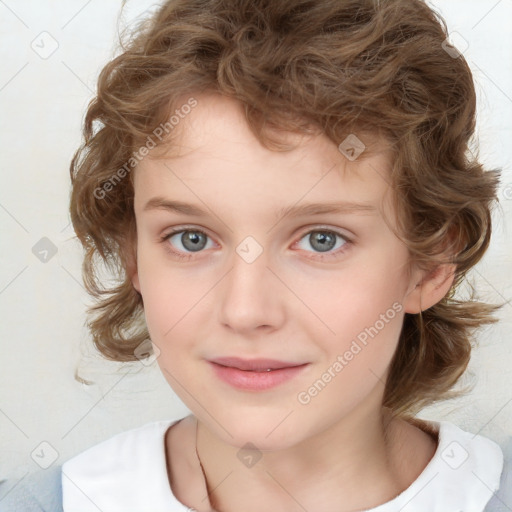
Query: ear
column 430, row 289
column 133, row 273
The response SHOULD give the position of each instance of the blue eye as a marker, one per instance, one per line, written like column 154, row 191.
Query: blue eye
column 193, row 240
column 190, row 241
column 325, row 241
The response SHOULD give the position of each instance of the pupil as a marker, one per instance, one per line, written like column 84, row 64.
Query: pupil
column 192, row 240
column 323, row 241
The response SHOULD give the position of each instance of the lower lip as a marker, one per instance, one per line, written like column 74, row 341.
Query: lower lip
column 256, row 381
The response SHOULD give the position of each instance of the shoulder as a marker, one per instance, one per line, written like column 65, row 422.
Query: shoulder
column 502, row 498
column 471, row 472
column 120, row 473
column 45, row 490
column 35, row 492
column 138, row 443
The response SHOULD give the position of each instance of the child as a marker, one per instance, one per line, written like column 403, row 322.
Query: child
column 319, row 151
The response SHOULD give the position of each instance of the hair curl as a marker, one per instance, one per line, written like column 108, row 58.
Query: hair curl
column 343, row 66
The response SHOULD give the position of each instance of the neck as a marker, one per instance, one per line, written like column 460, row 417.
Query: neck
column 353, row 463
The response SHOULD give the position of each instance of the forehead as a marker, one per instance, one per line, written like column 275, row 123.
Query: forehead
column 212, row 152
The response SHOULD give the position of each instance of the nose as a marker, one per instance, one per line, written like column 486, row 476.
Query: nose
column 251, row 297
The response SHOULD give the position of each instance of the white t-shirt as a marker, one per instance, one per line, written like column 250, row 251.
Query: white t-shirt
column 128, row 472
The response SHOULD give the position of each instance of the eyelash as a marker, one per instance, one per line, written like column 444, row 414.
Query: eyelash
column 320, row 229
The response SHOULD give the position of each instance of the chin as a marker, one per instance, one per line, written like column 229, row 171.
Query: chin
column 268, row 430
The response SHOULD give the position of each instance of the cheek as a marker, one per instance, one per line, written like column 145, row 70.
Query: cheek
column 167, row 311
column 361, row 320
column 168, row 296
column 166, row 308
column 356, row 297
column 365, row 316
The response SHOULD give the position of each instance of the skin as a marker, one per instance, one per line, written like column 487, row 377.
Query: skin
column 341, row 451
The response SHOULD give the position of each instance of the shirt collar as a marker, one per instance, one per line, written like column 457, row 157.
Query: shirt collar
column 129, row 472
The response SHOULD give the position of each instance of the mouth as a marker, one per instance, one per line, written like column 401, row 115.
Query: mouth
column 256, row 374
column 255, row 365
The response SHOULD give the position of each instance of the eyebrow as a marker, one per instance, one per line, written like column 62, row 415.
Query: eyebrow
column 160, row 203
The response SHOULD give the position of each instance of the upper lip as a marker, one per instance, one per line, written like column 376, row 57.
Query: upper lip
column 254, row 364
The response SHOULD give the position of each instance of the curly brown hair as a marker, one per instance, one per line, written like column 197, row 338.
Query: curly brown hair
column 342, row 66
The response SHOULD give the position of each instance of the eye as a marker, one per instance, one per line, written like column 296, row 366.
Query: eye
column 182, row 243
column 187, row 241
column 324, row 241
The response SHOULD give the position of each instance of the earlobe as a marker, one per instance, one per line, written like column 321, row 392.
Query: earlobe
column 135, row 281
column 133, row 272
column 431, row 289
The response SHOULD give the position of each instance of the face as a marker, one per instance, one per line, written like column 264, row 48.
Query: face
column 232, row 276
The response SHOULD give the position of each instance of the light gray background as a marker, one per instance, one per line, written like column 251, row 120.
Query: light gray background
column 42, row 334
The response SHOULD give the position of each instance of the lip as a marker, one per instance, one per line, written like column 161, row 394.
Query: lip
column 254, row 380
column 254, row 364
